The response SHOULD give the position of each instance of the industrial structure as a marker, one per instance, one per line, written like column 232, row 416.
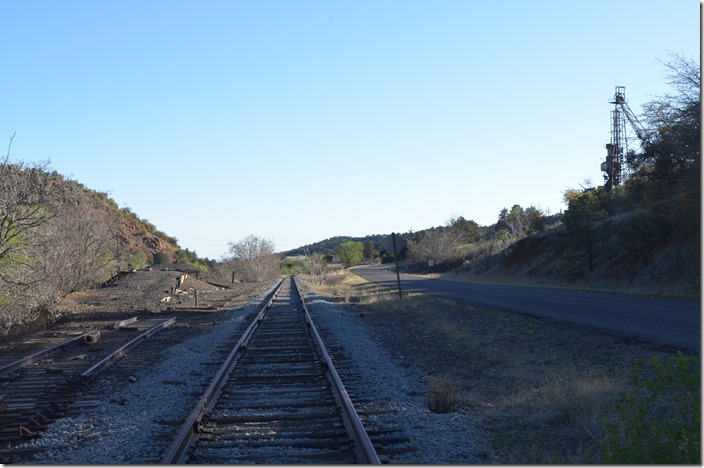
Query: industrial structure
column 622, row 140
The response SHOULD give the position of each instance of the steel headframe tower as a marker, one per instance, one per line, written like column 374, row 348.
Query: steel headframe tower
column 614, row 150
column 615, row 171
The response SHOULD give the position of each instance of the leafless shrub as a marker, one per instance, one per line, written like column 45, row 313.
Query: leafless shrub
column 77, row 249
column 55, row 238
column 437, row 245
column 443, row 395
column 316, row 264
column 254, row 259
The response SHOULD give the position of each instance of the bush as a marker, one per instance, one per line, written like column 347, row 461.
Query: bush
column 161, row 258
column 443, row 395
column 293, row 266
column 659, row 419
column 387, row 258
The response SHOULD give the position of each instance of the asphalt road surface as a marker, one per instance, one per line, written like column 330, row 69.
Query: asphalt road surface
column 671, row 322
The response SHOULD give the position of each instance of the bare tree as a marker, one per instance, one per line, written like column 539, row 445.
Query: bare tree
column 77, row 248
column 255, row 258
column 29, row 197
column 316, row 263
column 490, row 246
column 438, row 245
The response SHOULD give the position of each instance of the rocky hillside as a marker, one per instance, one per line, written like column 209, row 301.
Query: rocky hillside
column 140, row 240
column 57, row 237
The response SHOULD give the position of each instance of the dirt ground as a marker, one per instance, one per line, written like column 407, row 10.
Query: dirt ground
column 154, row 291
column 141, row 293
column 537, row 389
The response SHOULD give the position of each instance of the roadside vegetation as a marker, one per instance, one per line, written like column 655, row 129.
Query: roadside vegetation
column 540, row 392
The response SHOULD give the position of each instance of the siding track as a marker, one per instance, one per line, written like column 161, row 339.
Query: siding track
column 38, row 389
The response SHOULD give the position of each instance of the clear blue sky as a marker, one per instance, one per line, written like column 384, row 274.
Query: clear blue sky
column 302, row 120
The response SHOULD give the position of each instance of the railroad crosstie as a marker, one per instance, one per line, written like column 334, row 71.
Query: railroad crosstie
column 277, row 399
column 39, row 389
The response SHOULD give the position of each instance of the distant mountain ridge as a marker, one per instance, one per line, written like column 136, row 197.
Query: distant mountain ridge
column 381, row 242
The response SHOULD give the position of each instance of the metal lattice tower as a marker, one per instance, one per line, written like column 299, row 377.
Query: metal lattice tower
column 622, row 139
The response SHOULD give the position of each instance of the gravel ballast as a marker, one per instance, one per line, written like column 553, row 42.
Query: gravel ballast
column 439, row 438
column 135, row 424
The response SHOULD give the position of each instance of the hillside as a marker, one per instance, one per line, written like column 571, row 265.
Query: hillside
column 668, row 268
column 57, row 237
column 140, row 243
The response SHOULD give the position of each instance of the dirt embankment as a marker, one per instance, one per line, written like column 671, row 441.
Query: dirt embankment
column 141, row 293
column 622, row 265
column 155, row 290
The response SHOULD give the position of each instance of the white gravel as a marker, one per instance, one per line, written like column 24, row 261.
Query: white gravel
column 124, row 430
column 440, row 438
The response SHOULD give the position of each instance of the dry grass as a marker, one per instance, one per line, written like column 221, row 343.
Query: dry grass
column 537, row 389
column 443, row 395
column 337, row 283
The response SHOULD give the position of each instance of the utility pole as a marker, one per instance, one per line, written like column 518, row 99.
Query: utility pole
column 398, row 275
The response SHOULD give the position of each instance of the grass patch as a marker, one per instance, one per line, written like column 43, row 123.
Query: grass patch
column 540, row 391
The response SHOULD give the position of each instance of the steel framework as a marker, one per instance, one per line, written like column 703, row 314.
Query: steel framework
column 622, row 139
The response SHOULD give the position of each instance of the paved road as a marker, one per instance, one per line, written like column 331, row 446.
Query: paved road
column 670, row 322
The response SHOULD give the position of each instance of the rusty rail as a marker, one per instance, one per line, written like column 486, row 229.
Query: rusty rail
column 25, row 361
column 364, row 449
column 185, row 437
column 109, row 360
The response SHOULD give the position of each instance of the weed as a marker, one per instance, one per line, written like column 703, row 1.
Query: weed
column 658, row 421
column 443, row 395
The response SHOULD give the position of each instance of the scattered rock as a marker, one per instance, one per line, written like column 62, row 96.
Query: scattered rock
column 93, row 338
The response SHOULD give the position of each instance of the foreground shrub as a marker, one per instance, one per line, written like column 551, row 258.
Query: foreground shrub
column 659, row 419
column 443, row 395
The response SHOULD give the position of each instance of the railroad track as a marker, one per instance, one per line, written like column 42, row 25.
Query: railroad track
column 276, row 399
column 39, row 388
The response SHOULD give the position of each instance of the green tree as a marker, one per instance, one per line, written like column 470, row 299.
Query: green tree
column 520, row 222
column 350, row 253
column 369, row 251
column 667, row 173
column 584, row 220
column 675, row 122
column 535, row 219
column 467, row 230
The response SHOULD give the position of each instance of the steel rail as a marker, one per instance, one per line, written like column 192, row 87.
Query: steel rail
column 25, row 361
column 186, row 436
column 109, row 360
column 364, row 448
